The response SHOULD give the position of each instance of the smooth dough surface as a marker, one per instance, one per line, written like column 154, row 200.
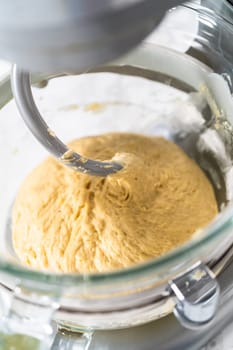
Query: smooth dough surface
column 71, row 222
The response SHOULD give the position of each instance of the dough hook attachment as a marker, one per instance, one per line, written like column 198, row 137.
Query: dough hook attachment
column 21, row 88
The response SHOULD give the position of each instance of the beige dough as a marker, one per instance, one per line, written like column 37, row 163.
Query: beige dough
column 71, row 222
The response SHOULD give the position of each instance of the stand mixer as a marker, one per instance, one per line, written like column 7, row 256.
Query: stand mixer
column 129, row 309
column 78, row 36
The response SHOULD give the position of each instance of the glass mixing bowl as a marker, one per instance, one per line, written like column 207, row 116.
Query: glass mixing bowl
column 179, row 88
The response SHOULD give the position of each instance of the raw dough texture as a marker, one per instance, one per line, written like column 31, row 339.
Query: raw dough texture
column 71, row 222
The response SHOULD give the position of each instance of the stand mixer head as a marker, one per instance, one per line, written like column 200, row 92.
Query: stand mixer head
column 75, row 35
column 70, row 36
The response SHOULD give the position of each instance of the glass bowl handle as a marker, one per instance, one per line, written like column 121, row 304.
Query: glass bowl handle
column 26, row 317
column 65, row 340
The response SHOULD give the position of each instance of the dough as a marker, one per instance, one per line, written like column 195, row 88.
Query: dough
column 71, row 222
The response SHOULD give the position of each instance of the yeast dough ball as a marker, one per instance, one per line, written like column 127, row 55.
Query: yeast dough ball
column 71, row 222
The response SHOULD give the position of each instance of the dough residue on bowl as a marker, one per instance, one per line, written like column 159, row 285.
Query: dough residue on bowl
column 72, row 222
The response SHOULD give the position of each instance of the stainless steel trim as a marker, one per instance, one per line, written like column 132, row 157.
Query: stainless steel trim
column 197, row 296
